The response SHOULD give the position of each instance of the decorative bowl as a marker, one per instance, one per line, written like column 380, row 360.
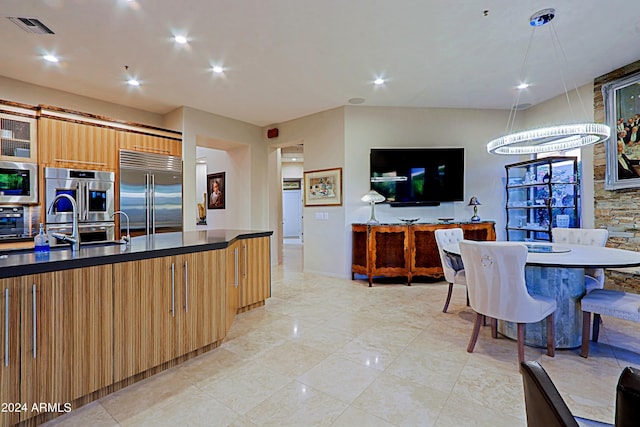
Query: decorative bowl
column 409, row 220
column 445, row 219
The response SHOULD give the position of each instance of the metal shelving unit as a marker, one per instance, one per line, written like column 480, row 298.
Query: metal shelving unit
column 542, row 194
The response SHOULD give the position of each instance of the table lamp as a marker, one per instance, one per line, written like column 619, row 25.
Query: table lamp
column 373, row 197
column 474, row 202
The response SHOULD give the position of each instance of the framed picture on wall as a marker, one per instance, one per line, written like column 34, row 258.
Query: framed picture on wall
column 216, row 190
column 323, row 187
column 622, row 113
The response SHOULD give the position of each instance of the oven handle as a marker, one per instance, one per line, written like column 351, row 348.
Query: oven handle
column 82, row 207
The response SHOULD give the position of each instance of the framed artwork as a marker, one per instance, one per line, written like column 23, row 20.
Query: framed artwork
column 323, row 187
column 622, row 113
column 291, row 184
column 216, row 190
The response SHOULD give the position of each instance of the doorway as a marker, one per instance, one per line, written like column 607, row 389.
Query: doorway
column 291, row 210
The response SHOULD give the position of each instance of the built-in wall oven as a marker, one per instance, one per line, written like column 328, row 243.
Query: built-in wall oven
column 12, row 223
column 18, row 183
column 93, row 192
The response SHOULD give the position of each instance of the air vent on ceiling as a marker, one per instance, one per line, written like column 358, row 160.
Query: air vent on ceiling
column 30, row 25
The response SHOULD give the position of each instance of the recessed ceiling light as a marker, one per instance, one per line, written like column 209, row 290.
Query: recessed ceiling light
column 180, row 39
column 133, row 82
column 356, row 101
column 217, row 69
column 378, row 81
column 50, row 58
column 523, row 86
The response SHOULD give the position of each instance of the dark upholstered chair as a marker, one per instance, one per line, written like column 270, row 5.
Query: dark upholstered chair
column 546, row 408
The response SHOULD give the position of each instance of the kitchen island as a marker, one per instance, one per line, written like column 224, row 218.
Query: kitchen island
column 80, row 325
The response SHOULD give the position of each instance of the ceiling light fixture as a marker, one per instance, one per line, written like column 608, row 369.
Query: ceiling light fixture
column 378, row 81
column 50, row 58
column 553, row 138
column 133, row 82
column 180, row 39
column 217, row 69
column 522, row 86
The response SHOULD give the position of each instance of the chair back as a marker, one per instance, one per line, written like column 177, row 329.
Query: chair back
column 628, row 398
column 496, row 281
column 543, row 403
column 585, row 236
column 444, row 237
column 580, row 236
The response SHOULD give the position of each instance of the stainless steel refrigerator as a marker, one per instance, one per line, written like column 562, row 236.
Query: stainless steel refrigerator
column 150, row 192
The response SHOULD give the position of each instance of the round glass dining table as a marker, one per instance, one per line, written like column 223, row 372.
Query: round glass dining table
column 557, row 270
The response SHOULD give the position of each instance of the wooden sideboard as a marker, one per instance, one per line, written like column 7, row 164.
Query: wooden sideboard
column 401, row 250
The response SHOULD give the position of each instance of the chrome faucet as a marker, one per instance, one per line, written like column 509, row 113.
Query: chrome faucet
column 74, row 239
column 127, row 238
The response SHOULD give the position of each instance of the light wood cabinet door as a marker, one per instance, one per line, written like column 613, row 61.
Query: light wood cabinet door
column 66, row 335
column 10, row 349
column 149, row 143
column 200, row 293
column 255, row 272
column 233, row 269
column 18, row 138
column 67, row 144
column 144, row 298
column 164, row 308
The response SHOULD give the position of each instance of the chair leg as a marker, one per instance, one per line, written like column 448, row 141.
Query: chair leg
column 494, row 327
column 586, row 322
column 596, row 327
column 520, row 343
column 446, row 303
column 476, row 330
column 551, row 336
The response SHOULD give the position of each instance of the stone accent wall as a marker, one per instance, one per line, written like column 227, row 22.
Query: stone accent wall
column 618, row 211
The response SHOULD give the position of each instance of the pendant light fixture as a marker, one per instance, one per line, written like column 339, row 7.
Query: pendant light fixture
column 553, row 138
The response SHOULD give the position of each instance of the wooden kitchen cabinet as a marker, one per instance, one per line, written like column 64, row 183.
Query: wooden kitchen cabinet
column 66, row 335
column 144, row 324
column 10, row 348
column 149, row 143
column 66, row 144
column 255, row 272
column 18, row 138
column 166, row 307
column 400, row 250
column 201, row 297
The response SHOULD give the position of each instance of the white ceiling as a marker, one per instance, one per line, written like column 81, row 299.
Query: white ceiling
column 285, row 59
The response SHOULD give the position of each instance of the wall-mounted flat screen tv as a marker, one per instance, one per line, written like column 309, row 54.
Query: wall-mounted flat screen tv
column 418, row 176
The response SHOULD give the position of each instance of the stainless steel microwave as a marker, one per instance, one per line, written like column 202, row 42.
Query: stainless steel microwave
column 18, row 183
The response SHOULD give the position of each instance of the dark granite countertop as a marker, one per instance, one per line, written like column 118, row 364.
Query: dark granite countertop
column 21, row 262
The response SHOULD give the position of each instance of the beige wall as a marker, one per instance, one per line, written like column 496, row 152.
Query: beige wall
column 326, row 250
column 247, row 195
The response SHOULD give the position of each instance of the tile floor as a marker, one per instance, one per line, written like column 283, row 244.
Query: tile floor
column 332, row 352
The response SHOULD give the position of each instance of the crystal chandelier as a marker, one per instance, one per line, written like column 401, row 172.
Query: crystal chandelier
column 553, row 138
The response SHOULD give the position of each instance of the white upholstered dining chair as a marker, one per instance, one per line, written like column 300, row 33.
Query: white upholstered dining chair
column 454, row 274
column 497, row 289
column 593, row 277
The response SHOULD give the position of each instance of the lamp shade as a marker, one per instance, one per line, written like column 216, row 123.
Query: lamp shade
column 474, row 201
column 373, row 197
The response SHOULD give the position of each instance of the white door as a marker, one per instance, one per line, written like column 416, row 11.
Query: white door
column 292, row 213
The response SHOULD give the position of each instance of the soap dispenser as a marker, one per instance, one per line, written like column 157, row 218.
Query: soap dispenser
column 41, row 241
